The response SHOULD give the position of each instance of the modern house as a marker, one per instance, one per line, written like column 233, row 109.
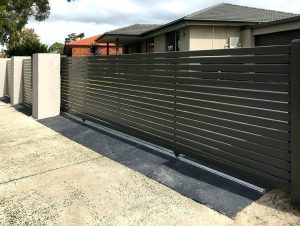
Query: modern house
column 82, row 47
column 217, row 27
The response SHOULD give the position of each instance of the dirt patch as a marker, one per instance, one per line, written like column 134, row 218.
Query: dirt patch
column 274, row 208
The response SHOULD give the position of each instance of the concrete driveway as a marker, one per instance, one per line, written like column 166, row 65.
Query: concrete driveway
column 47, row 179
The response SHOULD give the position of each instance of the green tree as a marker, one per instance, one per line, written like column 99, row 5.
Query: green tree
column 27, row 47
column 73, row 37
column 14, row 16
column 29, row 33
column 28, row 44
column 57, row 48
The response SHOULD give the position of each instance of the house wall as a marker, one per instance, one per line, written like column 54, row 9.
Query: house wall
column 160, row 43
column 184, row 39
column 211, row 37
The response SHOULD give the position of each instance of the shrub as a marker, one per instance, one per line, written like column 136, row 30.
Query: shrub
column 27, row 47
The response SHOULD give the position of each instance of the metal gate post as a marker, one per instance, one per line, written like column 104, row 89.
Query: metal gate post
column 295, row 121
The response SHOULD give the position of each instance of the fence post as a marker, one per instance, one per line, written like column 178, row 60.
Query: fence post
column 295, row 121
column 3, row 76
column 45, row 85
column 17, row 80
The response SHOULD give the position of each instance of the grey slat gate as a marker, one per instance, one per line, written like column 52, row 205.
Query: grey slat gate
column 27, row 82
column 8, row 78
column 228, row 107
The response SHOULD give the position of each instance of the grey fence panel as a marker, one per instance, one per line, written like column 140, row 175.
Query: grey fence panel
column 27, row 82
column 228, row 107
column 9, row 77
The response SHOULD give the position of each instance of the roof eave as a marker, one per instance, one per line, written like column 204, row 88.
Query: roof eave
column 184, row 19
column 275, row 22
column 117, row 35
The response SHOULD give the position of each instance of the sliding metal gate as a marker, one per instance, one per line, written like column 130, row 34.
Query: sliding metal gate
column 229, row 107
column 27, row 82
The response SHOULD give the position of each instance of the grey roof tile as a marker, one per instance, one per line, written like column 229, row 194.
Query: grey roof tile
column 230, row 12
column 135, row 29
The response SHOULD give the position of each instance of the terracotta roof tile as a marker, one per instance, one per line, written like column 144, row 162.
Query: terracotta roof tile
column 87, row 42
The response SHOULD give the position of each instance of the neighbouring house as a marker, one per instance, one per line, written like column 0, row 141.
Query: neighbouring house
column 217, row 27
column 82, row 47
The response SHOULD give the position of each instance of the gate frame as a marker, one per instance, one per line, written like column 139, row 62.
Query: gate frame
column 293, row 56
column 295, row 121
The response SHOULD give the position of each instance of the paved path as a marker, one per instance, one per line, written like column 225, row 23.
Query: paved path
column 47, row 179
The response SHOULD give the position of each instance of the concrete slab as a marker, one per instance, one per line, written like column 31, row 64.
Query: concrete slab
column 39, row 155
column 98, row 192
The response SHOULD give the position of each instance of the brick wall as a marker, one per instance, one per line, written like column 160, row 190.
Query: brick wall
column 84, row 51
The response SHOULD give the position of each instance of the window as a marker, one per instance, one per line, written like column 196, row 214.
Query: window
column 173, row 41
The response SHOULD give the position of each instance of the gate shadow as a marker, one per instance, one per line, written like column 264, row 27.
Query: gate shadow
column 222, row 194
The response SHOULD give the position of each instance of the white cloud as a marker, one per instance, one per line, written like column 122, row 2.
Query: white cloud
column 57, row 31
column 98, row 16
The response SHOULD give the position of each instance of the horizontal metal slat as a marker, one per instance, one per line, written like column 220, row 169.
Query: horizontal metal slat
column 273, row 96
column 240, row 146
column 236, row 100
column 146, row 128
column 90, row 109
column 261, row 68
column 284, row 126
column 194, row 141
column 148, row 95
column 262, row 59
column 150, row 118
column 147, row 111
column 270, row 145
column 248, row 76
column 104, row 103
column 162, row 91
column 231, row 145
column 262, row 113
column 129, row 116
column 163, row 109
column 156, row 102
column 233, row 166
column 279, row 87
column 148, row 78
column 100, row 113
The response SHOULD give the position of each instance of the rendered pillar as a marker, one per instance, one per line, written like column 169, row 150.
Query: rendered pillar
column 46, row 85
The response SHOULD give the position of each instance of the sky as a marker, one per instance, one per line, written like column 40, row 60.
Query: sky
column 94, row 17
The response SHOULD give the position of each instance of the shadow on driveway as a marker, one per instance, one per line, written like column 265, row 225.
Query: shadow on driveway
column 221, row 194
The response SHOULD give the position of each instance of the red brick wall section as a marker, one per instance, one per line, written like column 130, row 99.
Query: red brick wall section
column 81, row 51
